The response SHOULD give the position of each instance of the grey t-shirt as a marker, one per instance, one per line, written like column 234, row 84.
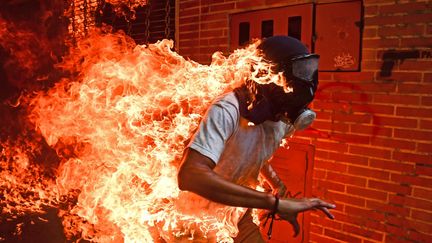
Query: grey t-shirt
column 238, row 149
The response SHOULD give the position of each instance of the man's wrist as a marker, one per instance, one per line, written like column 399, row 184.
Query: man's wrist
column 271, row 200
column 276, row 204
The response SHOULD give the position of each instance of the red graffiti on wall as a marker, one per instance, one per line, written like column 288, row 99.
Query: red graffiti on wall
column 325, row 93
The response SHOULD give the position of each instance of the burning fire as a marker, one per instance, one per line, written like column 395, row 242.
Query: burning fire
column 82, row 13
column 119, row 125
column 121, row 6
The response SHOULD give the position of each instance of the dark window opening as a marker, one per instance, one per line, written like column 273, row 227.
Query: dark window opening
column 266, row 28
column 294, row 27
column 244, row 32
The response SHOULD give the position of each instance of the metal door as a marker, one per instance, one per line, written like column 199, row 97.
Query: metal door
column 295, row 167
column 338, row 35
column 294, row 21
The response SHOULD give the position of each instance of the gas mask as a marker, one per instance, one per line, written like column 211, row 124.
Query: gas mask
column 302, row 120
column 301, row 73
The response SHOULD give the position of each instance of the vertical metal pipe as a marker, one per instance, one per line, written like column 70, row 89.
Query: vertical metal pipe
column 85, row 17
column 177, row 21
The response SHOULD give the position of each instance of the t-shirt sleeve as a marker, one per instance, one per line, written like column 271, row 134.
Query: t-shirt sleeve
column 215, row 129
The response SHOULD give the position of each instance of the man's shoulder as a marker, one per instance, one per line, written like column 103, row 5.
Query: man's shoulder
column 227, row 100
column 227, row 106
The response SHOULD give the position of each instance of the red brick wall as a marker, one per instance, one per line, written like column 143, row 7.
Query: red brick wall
column 373, row 134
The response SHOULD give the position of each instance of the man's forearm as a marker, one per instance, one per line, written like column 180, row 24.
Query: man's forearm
column 196, row 175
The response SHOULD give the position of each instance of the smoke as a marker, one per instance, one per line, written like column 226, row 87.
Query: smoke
column 32, row 43
column 32, row 35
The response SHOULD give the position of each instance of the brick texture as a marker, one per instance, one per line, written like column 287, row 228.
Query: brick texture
column 373, row 134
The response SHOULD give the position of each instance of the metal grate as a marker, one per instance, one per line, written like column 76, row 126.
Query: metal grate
column 152, row 22
column 82, row 16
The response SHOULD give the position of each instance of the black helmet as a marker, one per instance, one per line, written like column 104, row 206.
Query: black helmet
column 299, row 67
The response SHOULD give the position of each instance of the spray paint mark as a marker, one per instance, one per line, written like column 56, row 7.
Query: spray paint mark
column 390, row 58
column 344, row 61
column 347, row 108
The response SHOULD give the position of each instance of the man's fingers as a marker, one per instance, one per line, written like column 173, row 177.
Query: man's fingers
column 320, row 203
column 327, row 212
column 323, row 206
column 327, row 205
column 295, row 225
column 308, row 204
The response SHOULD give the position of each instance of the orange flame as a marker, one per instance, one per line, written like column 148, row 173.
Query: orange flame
column 82, row 14
column 24, row 187
column 121, row 6
column 120, row 127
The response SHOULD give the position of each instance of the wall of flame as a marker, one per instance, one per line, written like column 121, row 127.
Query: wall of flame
column 94, row 131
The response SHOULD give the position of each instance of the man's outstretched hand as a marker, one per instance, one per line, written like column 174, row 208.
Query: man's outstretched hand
column 289, row 208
